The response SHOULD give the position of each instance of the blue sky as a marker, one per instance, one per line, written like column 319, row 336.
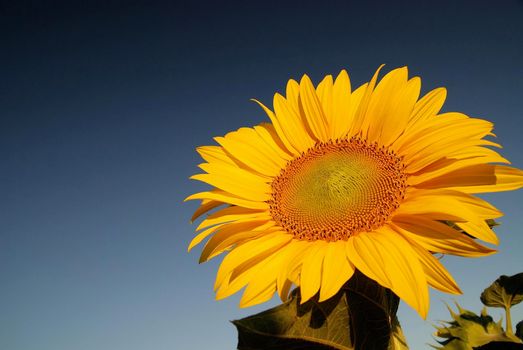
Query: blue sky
column 102, row 107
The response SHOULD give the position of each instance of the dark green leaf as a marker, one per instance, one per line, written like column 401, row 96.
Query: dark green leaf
column 294, row 326
column 361, row 316
column 500, row 345
column 519, row 330
column 504, row 292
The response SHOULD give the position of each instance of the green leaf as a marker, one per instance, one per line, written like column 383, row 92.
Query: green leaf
column 500, row 345
column 294, row 326
column 360, row 316
column 504, row 292
column 468, row 330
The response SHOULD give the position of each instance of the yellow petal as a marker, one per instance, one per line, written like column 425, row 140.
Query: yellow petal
column 430, row 205
column 292, row 124
column 431, row 156
column 227, row 289
column 229, row 214
column 270, row 137
column 432, row 146
column 421, row 130
column 248, row 190
column 456, row 161
column 401, row 267
column 311, row 269
column 427, row 107
column 313, row 110
column 201, row 236
column 337, row 269
column 255, row 292
column 249, row 273
column 437, row 276
column 362, row 252
column 221, row 243
column 249, row 148
column 443, row 204
column 206, row 206
column 244, row 274
column 479, row 178
column 397, row 118
column 383, row 106
column 225, row 197
column 479, row 208
column 382, row 100
column 256, row 261
column 261, row 296
column 279, row 130
column 284, row 289
column 253, row 249
column 234, row 233
column 292, row 93
column 325, row 95
column 438, row 237
column 341, row 110
column 454, row 131
column 236, row 181
column 215, row 154
column 361, row 120
column 297, row 250
column 355, row 100
column 480, row 230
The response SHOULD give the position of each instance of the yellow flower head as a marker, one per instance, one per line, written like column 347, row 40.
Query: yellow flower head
column 343, row 180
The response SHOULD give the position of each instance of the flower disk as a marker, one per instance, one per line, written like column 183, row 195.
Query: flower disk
column 337, row 189
column 374, row 179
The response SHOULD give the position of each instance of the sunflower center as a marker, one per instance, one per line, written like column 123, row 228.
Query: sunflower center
column 337, row 189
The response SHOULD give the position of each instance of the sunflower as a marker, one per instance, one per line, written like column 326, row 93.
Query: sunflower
column 374, row 179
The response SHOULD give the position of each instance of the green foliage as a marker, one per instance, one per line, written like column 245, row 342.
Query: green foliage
column 505, row 292
column 500, row 345
column 293, row 326
column 468, row 331
column 361, row 316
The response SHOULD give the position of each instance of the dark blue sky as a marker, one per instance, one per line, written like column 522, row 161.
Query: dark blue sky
column 102, row 105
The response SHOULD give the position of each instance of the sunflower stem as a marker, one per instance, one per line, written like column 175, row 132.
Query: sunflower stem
column 508, row 321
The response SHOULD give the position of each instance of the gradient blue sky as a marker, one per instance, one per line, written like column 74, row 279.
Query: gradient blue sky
column 102, row 107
